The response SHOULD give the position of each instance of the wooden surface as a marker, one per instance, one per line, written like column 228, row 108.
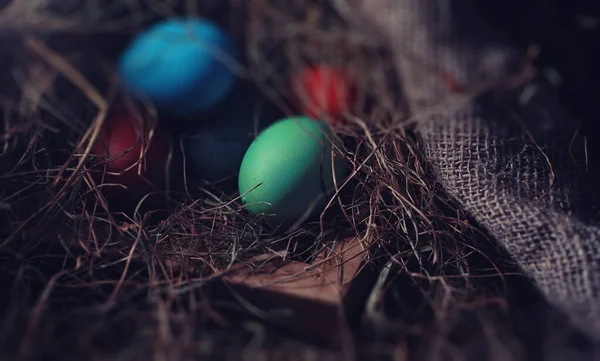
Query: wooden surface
column 322, row 301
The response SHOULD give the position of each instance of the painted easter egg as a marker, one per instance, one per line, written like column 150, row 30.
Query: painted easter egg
column 287, row 174
column 216, row 153
column 324, row 92
column 216, row 149
column 118, row 151
column 180, row 65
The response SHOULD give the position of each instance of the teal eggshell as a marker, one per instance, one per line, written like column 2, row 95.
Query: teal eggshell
column 287, row 170
column 176, row 64
column 216, row 154
column 217, row 146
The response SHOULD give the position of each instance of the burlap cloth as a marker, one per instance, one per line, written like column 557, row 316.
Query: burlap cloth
column 506, row 151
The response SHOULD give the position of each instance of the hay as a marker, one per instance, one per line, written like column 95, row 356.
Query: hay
column 87, row 281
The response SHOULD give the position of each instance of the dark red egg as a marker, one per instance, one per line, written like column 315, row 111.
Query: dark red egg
column 120, row 151
column 324, row 92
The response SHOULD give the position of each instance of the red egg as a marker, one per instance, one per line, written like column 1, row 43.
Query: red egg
column 324, row 92
column 119, row 147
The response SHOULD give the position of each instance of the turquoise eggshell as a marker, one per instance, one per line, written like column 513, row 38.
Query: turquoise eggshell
column 216, row 154
column 214, row 151
column 290, row 162
column 176, row 64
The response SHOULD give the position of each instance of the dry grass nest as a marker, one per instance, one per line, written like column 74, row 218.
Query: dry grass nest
column 59, row 232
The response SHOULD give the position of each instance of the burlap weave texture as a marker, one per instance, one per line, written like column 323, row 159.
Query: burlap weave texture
column 505, row 155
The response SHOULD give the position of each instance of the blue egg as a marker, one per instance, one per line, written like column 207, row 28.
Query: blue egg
column 216, row 154
column 216, row 148
column 177, row 64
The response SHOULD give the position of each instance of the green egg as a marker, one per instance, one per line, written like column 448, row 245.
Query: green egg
column 287, row 170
